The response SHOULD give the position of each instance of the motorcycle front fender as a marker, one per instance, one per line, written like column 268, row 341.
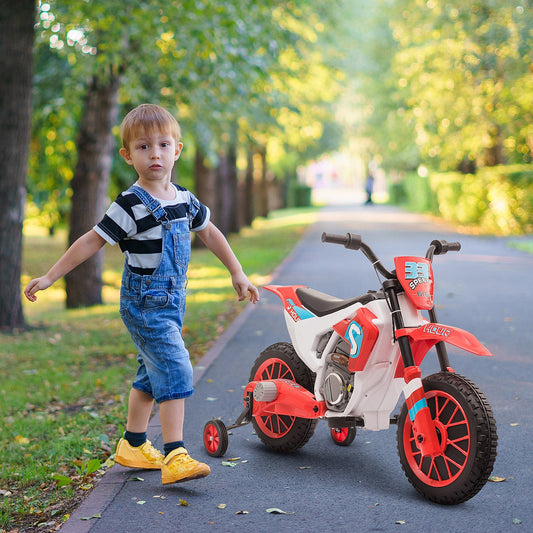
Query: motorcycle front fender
column 423, row 338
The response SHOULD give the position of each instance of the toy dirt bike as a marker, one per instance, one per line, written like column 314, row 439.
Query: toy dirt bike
column 348, row 363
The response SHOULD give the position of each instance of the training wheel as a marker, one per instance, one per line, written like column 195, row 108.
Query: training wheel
column 215, row 438
column 343, row 436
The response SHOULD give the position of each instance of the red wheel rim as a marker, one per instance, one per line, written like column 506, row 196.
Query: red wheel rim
column 274, row 426
column 211, row 438
column 339, row 434
column 454, row 435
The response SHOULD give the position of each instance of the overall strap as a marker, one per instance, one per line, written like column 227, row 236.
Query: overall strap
column 152, row 205
column 194, row 207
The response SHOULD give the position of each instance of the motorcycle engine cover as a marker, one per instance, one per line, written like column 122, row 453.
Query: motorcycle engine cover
column 337, row 388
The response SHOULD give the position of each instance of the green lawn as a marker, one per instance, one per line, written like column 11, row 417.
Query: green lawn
column 65, row 380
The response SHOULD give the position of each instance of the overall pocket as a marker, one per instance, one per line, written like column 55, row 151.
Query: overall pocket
column 182, row 251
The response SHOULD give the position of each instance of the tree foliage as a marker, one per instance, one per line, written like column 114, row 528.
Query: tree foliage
column 233, row 73
column 455, row 78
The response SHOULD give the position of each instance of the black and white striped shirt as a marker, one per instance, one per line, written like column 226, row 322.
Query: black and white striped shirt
column 139, row 235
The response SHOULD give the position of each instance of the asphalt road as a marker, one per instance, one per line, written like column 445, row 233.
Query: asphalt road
column 484, row 289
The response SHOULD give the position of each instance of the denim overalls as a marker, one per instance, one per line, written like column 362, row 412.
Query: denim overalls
column 152, row 308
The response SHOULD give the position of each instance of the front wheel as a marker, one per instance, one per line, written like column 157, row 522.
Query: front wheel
column 466, row 430
column 283, row 433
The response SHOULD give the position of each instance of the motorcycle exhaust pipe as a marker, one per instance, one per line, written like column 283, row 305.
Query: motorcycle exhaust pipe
column 265, row 391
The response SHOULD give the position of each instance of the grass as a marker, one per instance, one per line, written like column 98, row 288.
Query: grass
column 524, row 245
column 65, row 380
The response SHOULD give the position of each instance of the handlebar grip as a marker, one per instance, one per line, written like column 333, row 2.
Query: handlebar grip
column 352, row 241
column 454, row 246
column 442, row 247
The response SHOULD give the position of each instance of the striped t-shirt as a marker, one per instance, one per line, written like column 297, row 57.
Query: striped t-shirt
column 128, row 222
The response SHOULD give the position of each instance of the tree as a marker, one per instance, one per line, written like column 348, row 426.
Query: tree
column 90, row 184
column 16, row 67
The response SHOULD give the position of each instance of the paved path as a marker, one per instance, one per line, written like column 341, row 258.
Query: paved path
column 484, row 289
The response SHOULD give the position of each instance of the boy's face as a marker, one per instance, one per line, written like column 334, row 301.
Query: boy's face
column 152, row 154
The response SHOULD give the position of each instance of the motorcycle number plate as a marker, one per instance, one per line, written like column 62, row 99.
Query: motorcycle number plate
column 416, row 276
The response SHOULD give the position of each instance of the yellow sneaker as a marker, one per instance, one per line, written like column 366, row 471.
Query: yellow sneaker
column 179, row 466
column 144, row 456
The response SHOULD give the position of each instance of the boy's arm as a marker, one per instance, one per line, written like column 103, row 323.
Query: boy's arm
column 213, row 238
column 86, row 246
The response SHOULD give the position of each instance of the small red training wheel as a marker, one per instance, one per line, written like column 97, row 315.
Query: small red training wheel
column 215, row 438
column 343, row 436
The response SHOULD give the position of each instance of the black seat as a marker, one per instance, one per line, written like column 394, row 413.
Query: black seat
column 322, row 304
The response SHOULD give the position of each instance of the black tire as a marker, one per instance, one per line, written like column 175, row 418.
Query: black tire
column 215, row 438
column 282, row 433
column 467, row 432
column 343, row 436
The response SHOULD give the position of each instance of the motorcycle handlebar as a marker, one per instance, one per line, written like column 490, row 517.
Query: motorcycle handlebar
column 442, row 247
column 352, row 241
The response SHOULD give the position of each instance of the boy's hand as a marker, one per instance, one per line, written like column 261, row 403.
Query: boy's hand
column 242, row 286
column 37, row 284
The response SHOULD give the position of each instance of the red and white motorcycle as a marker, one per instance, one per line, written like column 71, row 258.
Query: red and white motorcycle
column 349, row 362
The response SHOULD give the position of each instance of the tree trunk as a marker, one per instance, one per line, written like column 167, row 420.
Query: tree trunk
column 233, row 185
column 495, row 154
column 16, row 65
column 263, row 186
column 249, row 210
column 90, row 184
column 224, row 192
column 204, row 179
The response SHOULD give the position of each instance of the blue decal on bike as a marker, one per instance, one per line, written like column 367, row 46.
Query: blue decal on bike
column 300, row 311
column 354, row 335
column 416, row 408
column 415, row 270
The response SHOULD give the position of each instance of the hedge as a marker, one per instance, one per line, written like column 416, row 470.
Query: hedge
column 495, row 200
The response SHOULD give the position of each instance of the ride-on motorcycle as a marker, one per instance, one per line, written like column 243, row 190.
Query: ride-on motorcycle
column 348, row 363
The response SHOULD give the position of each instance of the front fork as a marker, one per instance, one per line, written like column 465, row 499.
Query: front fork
column 424, row 430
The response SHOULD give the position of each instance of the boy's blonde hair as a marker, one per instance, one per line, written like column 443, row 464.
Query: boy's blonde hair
column 148, row 118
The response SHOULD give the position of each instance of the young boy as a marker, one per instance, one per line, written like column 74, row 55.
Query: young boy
column 152, row 221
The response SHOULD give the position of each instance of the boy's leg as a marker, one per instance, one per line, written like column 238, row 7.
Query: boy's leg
column 178, row 465
column 139, row 410
column 135, row 450
column 172, row 414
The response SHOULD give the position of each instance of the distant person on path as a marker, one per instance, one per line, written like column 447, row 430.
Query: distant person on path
column 152, row 221
column 369, row 187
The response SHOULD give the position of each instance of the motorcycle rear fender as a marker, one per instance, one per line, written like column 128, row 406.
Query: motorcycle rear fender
column 290, row 300
column 423, row 338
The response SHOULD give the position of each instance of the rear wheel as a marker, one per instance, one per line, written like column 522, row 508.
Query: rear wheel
column 466, row 430
column 283, row 433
